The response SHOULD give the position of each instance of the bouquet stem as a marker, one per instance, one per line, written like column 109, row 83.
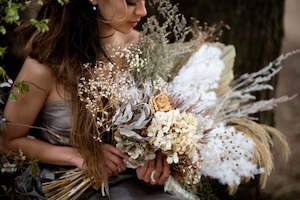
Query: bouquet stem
column 172, row 186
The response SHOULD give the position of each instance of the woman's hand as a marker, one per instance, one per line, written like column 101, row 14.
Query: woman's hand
column 113, row 159
column 161, row 174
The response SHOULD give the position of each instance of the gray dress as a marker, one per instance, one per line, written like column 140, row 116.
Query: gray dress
column 56, row 117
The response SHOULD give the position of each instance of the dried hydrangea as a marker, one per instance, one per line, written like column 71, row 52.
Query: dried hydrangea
column 174, row 133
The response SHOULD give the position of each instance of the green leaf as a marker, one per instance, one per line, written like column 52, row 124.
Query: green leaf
column 3, row 73
column 12, row 13
column 27, row 3
column 21, row 87
column 21, row 164
column 34, row 169
column 24, row 4
column 25, row 89
column 2, row 30
column 16, row 159
column 13, row 97
column 63, row 2
column 4, row 188
column 40, row 2
column 2, row 51
column 40, row 25
column 18, row 84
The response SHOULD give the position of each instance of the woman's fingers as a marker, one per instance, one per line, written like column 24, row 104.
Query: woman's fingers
column 108, row 171
column 112, row 167
column 138, row 172
column 113, row 162
column 117, row 161
column 114, row 158
column 116, row 151
column 165, row 175
column 147, row 177
column 141, row 171
column 158, row 167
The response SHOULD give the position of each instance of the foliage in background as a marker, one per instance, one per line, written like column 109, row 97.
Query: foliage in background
column 214, row 10
column 11, row 16
column 13, row 164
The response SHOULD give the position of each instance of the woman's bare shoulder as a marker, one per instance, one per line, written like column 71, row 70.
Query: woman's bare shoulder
column 37, row 68
column 38, row 77
column 37, row 73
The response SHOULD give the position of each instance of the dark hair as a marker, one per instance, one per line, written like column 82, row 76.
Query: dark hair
column 72, row 40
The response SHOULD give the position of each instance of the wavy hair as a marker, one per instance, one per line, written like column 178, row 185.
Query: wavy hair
column 72, row 40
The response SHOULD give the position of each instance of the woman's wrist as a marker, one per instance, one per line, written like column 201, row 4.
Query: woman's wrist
column 75, row 158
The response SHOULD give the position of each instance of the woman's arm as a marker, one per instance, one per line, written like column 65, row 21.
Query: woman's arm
column 25, row 110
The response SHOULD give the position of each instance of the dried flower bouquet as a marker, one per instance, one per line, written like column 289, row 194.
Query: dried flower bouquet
column 179, row 99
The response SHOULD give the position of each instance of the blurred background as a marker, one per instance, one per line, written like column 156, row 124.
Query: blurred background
column 285, row 181
column 260, row 30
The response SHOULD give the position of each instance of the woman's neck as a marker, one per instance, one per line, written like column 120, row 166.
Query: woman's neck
column 111, row 37
column 107, row 34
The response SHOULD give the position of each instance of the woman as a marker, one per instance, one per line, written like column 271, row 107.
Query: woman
column 78, row 31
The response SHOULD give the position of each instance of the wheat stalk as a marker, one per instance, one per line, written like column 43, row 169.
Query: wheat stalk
column 70, row 186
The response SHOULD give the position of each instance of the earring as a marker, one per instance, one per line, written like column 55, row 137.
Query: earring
column 94, row 7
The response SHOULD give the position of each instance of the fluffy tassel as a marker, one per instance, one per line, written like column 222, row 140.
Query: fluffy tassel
column 262, row 135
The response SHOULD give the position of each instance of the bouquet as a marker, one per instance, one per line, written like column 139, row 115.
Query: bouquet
column 179, row 99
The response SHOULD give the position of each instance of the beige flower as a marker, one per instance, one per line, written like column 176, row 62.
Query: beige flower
column 161, row 103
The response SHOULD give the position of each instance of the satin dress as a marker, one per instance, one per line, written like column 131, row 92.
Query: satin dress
column 57, row 118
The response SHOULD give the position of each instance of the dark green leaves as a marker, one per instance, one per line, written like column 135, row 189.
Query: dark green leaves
column 2, row 51
column 2, row 30
column 12, row 13
column 22, row 88
column 13, row 97
column 63, row 2
column 3, row 73
column 40, row 25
